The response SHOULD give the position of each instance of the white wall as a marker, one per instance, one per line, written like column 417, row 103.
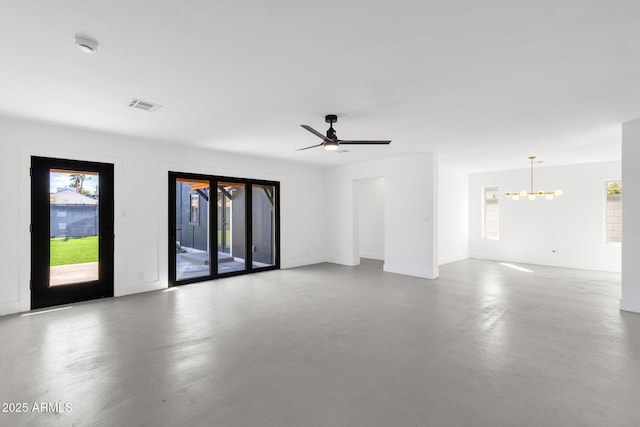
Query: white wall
column 630, row 300
column 410, row 217
column 453, row 214
column 141, row 204
column 571, row 225
column 371, row 218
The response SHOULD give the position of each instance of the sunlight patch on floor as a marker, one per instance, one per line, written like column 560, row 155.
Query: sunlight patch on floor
column 515, row 267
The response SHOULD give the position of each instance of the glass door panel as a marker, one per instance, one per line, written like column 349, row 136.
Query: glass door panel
column 231, row 226
column 240, row 235
column 71, row 231
column 192, row 237
column 263, row 229
column 74, row 216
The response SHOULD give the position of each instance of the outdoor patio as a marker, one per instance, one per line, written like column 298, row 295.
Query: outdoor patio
column 196, row 264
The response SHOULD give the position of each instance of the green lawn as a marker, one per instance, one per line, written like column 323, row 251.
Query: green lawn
column 74, row 250
column 228, row 233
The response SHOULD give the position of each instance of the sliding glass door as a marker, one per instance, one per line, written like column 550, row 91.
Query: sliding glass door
column 191, row 230
column 232, row 232
column 241, row 235
column 263, row 225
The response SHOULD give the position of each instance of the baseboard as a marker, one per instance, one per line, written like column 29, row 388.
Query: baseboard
column 410, row 270
column 630, row 304
column 301, row 262
column 140, row 287
column 11, row 307
column 455, row 258
column 371, row 255
column 343, row 261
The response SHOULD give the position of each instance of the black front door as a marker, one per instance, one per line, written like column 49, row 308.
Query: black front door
column 71, row 231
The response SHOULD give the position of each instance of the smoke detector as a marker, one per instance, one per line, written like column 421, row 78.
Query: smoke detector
column 86, row 44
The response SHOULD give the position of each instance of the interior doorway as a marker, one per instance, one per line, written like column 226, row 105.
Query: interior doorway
column 370, row 199
column 71, row 231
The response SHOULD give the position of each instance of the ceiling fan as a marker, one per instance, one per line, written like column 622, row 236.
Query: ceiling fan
column 330, row 141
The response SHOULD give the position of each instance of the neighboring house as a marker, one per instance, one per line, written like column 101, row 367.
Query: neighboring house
column 68, row 196
column 73, row 214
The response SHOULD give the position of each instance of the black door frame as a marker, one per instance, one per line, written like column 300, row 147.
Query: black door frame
column 213, row 226
column 43, row 295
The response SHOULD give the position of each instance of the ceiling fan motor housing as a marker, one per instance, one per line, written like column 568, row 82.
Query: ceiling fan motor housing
column 330, row 118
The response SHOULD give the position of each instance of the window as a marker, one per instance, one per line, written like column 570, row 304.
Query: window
column 491, row 213
column 194, row 215
column 613, row 211
column 221, row 226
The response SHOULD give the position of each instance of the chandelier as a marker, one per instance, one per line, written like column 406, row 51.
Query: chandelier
column 531, row 194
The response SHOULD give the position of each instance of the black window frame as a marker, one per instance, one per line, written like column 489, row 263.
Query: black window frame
column 213, row 221
column 42, row 294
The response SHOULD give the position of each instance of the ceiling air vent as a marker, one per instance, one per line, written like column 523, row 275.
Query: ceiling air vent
column 143, row 105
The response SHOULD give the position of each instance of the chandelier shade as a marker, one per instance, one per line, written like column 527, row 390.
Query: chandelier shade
column 531, row 194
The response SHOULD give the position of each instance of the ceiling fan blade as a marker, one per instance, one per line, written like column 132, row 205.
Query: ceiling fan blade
column 313, row 131
column 347, row 142
column 313, row 146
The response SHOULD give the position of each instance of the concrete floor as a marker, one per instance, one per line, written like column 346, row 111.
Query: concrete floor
column 327, row 345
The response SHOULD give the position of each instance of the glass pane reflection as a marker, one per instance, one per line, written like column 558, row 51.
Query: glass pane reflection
column 192, row 229
column 263, row 199
column 231, row 227
column 73, row 227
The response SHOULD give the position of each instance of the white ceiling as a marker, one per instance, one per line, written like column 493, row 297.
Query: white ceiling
column 485, row 83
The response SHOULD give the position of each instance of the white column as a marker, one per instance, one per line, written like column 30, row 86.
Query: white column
column 630, row 300
column 411, row 220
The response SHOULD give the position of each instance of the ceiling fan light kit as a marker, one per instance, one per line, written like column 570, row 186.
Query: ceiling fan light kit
column 331, row 145
column 531, row 195
column 330, row 141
